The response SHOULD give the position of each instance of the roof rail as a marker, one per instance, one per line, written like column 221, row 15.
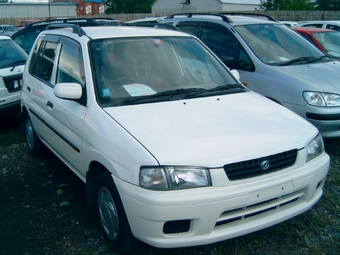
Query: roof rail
column 62, row 20
column 191, row 14
column 75, row 28
column 250, row 14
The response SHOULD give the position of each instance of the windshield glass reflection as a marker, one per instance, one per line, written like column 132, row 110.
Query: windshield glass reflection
column 127, row 70
column 276, row 44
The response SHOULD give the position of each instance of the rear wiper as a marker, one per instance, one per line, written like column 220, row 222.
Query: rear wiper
column 15, row 63
column 296, row 60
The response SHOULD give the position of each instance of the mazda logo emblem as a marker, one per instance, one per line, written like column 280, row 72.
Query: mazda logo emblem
column 265, row 165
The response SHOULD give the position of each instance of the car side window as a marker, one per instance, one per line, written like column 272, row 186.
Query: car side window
column 226, row 46
column 245, row 62
column 70, row 65
column 333, row 27
column 308, row 39
column 27, row 38
column 190, row 27
column 313, row 25
column 43, row 64
column 222, row 42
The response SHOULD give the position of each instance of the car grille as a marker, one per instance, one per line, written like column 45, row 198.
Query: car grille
column 260, row 166
column 241, row 214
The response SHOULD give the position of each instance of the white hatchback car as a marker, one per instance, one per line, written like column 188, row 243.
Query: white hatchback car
column 329, row 24
column 12, row 63
column 174, row 151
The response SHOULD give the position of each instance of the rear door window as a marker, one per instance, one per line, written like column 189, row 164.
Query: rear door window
column 44, row 60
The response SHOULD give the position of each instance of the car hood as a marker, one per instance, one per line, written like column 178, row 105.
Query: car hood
column 323, row 77
column 213, row 131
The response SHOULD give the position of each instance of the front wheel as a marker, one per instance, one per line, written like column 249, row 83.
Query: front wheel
column 114, row 223
column 34, row 144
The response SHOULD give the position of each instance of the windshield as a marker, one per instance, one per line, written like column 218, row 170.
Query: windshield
column 276, row 44
column 147, row 70
column 9, row 28
column 11, row 54
column 330, row 41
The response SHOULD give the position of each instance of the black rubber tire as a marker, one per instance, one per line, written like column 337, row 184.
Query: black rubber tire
column 112, row 216
column 34, row 144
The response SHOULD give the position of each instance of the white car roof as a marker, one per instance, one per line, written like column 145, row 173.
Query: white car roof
column 337, row 22
column 99, row 32
column 235, row 19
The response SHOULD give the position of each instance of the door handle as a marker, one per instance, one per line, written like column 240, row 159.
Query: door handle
column 49, row 104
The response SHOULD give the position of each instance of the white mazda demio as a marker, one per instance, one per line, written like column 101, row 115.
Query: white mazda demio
column 174, row 151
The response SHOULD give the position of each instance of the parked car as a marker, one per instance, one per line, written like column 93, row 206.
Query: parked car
column 26, row 22
column 143, row 22
column 329, row 24
column 289, row 23
column 274, row 61
column 173, row 149
column 108, row 22
column 328, row 41
column 26, row 37
column 7, row 30
column 12, row 63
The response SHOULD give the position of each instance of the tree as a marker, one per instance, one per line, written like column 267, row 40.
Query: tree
column 282, row 5
column 327, row 5
column 128, row 6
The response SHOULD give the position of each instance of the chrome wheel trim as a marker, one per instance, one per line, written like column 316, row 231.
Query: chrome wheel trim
column 108, row 214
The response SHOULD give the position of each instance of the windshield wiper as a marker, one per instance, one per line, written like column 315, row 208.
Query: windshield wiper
column 178, row 94
column 319, row 58
column 15, row 63
column 297, row 60
column 216, row 90
column 175, row 94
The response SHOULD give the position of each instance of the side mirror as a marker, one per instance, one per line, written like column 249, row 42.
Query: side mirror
column 236, row 74
column 68, row 90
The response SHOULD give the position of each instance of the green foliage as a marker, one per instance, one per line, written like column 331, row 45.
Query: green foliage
column 327, row 5
column 283, row 5
column 128, row 6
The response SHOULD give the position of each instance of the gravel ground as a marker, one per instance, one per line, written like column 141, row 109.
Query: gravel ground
column 43, row 211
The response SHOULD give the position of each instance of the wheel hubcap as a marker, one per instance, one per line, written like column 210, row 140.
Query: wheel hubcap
column 108, row 213
column 29, row 134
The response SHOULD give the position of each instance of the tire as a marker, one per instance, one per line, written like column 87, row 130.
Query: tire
column 34, row 144
column 112, row 216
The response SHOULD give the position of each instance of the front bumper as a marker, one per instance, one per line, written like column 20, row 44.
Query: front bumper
column 182, row 218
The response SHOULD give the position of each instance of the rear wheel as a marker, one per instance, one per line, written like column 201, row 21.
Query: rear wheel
column 34, row 144
column 114, row 223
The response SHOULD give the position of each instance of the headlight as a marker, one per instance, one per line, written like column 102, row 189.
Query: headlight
column 315, row 148
column 173, row 177
column 321, row 99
